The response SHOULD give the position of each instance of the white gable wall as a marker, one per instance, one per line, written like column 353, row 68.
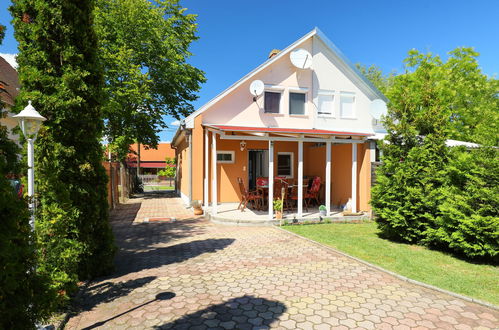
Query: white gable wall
column 328, row 76
column 238, row 108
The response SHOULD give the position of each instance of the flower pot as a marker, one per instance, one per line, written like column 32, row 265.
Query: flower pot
column 322, row 213
column 278, row 215
column 198, row 211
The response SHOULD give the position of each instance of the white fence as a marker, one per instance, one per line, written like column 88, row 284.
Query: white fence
column 155, row 180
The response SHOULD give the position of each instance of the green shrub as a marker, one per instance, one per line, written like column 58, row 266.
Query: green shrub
column 468, row 218
column 60, row 72
column 24, row 293
column 406, row 196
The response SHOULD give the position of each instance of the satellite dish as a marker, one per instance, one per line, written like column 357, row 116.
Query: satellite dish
column 301, row 58
column 378, row 109
column 256, row 88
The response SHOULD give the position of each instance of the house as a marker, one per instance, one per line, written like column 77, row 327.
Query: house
column 151, row 160
column 9, row 89
column 312, row 118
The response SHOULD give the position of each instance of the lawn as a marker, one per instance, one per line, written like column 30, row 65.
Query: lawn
column 157, row 188
column 479, row 281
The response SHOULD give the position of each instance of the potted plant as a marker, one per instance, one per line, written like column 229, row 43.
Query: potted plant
column 323, row 210
column 278, row 208
column 196, row 205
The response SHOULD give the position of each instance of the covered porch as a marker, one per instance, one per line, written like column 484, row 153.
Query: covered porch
column 233, row 153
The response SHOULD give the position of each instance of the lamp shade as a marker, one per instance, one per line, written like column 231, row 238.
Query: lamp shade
column 29, row 120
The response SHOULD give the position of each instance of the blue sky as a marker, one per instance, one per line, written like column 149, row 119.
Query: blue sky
column 236, row 36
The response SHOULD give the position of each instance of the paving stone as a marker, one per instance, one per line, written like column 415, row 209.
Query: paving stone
column 220, row 277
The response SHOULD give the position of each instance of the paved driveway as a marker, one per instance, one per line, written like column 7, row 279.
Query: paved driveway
column 194, row 275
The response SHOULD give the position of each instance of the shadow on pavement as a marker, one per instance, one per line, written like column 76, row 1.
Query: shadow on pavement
column 137, row 260
column 108, row 291
column 159, row 296
column 246, row 312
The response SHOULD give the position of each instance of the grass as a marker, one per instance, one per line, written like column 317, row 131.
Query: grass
column 442, row 270
column 156, row 188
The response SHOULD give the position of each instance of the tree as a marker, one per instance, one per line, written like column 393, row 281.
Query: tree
column 405, row 197
column 467, row 222
column 170, row 169
column 427, row 193
column 375, row 75
column 59, row 71
column 143, row 46
column 24, row 294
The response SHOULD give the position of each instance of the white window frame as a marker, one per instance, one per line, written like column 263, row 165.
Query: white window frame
column 232, row 156
column 274, row 89
column 292, row 157
column 298, row 90
column 332, row 94
column 354, row 108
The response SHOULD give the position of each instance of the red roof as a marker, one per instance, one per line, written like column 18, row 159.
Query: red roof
column 285, row 130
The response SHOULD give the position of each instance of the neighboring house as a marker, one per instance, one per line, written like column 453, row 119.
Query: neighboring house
column 151, row 160
column 307, row 122
column 9, row 89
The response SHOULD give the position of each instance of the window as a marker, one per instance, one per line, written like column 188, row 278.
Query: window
column 285, row 164
column 297, row 103
column 225, row 157
column 347, row 102
column 271, row 102
column 325, row 106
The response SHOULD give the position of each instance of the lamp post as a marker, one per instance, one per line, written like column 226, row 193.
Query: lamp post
column 30, row 121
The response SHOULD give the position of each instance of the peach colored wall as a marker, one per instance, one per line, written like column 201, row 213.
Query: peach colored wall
column 313, row 165
column 341, row 178
column 364, row 176
column 227, row 174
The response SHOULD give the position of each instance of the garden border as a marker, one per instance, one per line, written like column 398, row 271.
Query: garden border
column 400, row 277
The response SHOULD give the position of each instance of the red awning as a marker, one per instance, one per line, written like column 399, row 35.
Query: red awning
column 148, row 164
column 285, row 130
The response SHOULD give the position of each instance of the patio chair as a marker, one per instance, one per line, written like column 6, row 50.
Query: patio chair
column 248, row 196
column 313, row 191
column 262, row 181
column 292, row 200
column 262, row 187
column 280, row 185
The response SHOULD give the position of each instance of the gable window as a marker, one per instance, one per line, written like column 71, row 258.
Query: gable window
column 325, row 103
column 285, row 164
column 271, row 102
column 297, row 103
column 347, row 105
column 225, row 157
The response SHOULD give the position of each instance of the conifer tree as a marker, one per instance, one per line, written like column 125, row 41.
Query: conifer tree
column 60, row 73
column 24, row 295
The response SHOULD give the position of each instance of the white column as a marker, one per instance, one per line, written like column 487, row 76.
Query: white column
column 206, row 169
column 271, row 180
column 354, row 177
column 214, row 196
column 300, row 179
column 31, row 181
column 328, row 177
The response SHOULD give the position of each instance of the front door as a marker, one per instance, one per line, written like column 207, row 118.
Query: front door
column 258, row 166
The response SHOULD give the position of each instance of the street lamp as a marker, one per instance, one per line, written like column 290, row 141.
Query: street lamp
column 30, row 121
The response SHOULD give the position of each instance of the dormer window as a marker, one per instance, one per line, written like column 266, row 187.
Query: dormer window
column 297, row 103
column 347, row 105
column 325, row 100
column 272, row 101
